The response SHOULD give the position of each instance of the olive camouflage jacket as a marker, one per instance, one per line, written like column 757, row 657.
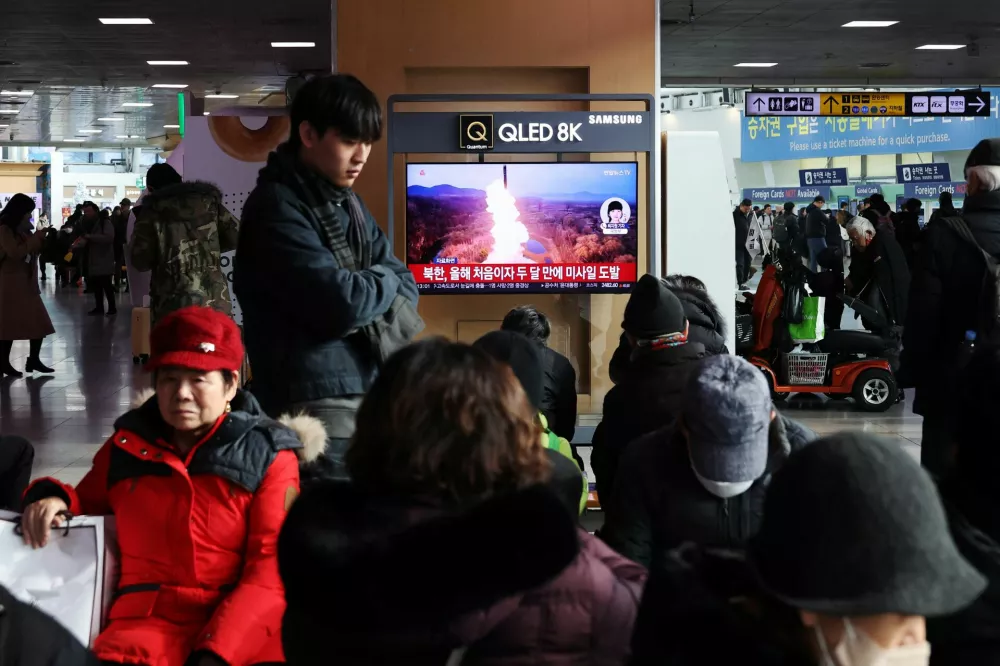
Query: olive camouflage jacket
column 180, row 234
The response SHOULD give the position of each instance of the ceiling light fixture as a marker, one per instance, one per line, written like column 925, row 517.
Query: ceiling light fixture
column 90, row 131
column 207, row 113
column 221, row 96
column 9, row 111
column 111, row 120
column 18, row 93
column 940, row 47
column 293, row 45
column 171, row 127
column 268, row 89
column 126, row 21
column 167, row 63
column 869, row 24
column 755, row 64
column 140, row 105
column 177, row 86
column 73, row 140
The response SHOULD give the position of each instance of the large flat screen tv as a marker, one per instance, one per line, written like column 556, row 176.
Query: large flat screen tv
column 557, row 227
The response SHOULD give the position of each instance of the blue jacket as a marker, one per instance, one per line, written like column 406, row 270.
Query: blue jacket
column 300, row 309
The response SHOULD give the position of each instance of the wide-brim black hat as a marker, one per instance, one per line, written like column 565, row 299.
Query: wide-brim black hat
column 853, row 526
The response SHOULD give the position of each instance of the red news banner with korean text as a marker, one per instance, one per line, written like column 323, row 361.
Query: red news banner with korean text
column 526, row 228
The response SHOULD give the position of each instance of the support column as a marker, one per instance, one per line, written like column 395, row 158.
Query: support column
column 56, row 180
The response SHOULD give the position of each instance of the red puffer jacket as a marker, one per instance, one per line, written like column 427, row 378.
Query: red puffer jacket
column 197, row 534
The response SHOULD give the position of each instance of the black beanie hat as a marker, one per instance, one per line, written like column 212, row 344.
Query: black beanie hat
column 523, row 356
column 853, row 526
column 986, row 153
column 653, row 310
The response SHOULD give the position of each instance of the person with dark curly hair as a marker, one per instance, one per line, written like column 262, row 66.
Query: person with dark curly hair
column 446, row 432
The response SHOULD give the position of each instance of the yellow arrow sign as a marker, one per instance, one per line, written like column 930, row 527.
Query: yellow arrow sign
column 863, row 104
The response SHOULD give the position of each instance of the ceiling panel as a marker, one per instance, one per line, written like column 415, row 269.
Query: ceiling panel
column 80, row 70
column 807, row 41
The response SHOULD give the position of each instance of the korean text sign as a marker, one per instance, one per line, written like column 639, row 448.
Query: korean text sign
column 772, row 138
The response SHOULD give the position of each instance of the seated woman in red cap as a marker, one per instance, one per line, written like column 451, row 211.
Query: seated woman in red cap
column 199, row 480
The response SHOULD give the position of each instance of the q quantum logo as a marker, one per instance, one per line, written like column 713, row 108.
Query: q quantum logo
column 475, row 131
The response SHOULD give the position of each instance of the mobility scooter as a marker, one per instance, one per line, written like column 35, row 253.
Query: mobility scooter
column 844, row 363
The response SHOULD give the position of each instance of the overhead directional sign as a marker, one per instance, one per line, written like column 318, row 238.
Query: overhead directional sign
column 869, row 104
column 808, row 177
column 935, row 172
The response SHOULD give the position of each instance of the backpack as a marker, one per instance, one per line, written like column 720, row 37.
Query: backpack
column 988, row 326
column 779, row 230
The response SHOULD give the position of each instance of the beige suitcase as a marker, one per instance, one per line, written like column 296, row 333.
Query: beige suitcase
column 140, row 335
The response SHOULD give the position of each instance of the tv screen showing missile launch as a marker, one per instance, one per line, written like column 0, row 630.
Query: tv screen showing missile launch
column 556, row 227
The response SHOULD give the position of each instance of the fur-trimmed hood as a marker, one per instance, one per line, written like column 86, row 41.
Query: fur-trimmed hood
column 309, row 430
column 169, row 195
column 409, row 578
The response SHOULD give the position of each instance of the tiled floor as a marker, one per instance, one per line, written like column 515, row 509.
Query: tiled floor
column 69, row 415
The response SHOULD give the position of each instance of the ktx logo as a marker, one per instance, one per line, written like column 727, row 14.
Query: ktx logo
column 475, row 131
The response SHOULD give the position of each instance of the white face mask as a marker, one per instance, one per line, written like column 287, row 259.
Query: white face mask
column 724, row 490
column 856, row 648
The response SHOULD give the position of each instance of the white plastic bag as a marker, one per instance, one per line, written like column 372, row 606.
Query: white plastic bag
column 73, row 578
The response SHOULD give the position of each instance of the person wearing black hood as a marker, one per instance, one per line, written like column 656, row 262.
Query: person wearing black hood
column 972, row 637
column 946, row 208
column 908, row 230
column 702, row 478
column 525, row 358
column 852, row 555
column 559, row 384
column 946, row 301
column 879, row 214
column 741, row 222
column 707, row 324
column 650, row 390
column 324, row 298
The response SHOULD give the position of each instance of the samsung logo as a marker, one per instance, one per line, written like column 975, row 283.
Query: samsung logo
column 615, row 119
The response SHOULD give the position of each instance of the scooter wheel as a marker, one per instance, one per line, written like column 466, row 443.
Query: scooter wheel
column 775, row 395
column 875, row 390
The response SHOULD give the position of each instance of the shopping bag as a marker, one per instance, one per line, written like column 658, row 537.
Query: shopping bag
column 811, row 329
column 73, row 578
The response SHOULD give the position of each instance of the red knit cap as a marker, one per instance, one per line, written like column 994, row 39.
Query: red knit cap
column 198, row 338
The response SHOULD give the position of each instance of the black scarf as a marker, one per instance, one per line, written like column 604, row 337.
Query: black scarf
column 351, row 247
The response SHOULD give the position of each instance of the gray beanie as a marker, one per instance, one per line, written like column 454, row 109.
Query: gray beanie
column 727, row 414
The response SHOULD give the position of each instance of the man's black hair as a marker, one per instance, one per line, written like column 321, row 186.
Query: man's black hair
column 615, row 205
column 766, row 206
column 160, row 176
column 789, row 206
column 819, row 199
column 529, row 322
column 844, row 205
column 945, row 200
column 91, row 204
column 746, row 202
column 338, row 102
column 913, row 205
